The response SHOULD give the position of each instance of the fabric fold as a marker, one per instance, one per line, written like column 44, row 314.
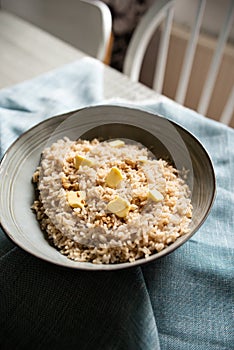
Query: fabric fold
column 57, row 308
column 75, row 85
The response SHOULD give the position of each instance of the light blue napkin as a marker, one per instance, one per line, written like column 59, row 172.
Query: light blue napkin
column 74, row 86
column 183, row 301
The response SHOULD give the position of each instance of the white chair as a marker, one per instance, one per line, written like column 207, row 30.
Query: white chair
column 85, row 24
column 162, row 11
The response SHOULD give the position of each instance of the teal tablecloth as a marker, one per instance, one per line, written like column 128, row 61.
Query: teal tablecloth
column 181, row 302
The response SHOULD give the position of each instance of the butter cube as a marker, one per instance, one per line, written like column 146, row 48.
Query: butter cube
column 81, row 161
column 122, row 213
column 142, row 159
column 116, row 143
column 114, row 177
column 76, row 199
column 155, row 195
column 119, row 206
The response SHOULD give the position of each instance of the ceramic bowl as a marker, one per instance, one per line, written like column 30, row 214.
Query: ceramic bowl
column 165, row 139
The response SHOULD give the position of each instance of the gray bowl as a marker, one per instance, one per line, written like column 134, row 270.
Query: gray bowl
column 165, row 139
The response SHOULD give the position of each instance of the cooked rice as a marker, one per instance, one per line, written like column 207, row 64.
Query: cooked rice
column 91, row 232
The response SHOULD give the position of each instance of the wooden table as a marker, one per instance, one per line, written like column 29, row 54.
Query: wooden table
column 27, row 51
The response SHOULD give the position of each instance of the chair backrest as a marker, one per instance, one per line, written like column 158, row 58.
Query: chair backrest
column 85, row 24
column 162, row 12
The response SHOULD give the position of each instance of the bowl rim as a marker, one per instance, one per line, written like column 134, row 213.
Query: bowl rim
column 117, row 266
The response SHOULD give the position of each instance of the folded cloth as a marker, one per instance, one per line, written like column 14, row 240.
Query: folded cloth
column 182, row 301
column 74, row 86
